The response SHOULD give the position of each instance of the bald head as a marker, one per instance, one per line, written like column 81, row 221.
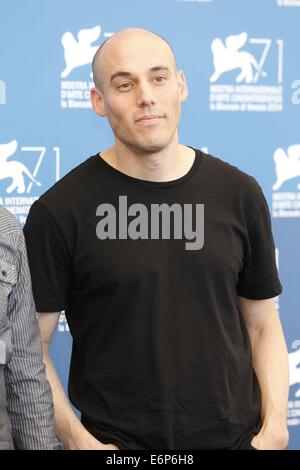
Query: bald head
column 121, row 42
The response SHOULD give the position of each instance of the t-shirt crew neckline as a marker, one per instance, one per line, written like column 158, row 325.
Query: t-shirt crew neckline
column 154, row 184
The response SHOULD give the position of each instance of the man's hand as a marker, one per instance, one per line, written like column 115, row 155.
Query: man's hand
column 85, row 441
column 271, row 438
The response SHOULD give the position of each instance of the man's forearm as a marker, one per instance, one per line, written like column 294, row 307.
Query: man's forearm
column 66, row 422
column 270, row 362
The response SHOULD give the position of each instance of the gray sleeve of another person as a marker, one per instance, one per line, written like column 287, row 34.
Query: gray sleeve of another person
column 29, row 397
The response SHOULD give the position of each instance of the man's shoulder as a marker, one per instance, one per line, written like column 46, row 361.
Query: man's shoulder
column 227, row 174
column 8, row 223
column 71, row 186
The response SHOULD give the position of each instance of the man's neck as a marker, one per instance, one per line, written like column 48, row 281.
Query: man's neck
column 168, row 164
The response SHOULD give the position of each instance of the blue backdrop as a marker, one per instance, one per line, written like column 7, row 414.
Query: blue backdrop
column 242, row 64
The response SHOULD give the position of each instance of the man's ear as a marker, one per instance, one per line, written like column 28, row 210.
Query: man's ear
column 98, row 102
column 183, row 89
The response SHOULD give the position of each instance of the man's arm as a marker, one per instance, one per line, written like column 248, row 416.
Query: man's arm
column 68, row 427
column 270, row 362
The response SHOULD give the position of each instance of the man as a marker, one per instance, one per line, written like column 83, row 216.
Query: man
column 26, row 409
column 163, row 259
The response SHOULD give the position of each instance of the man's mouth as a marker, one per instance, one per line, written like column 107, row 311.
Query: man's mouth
column 149, row 118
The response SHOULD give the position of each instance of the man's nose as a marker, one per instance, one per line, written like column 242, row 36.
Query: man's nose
column 145, row 95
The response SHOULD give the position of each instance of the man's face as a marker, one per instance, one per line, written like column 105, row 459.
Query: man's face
column 141, row 91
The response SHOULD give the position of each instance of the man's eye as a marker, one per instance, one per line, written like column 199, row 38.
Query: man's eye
column 124, row 86
column 160, row 79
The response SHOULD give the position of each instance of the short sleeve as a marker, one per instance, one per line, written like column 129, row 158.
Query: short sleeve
column 49, row 260
column 259, row 277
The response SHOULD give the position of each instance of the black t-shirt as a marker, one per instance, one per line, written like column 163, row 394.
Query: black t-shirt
column 161, row 355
